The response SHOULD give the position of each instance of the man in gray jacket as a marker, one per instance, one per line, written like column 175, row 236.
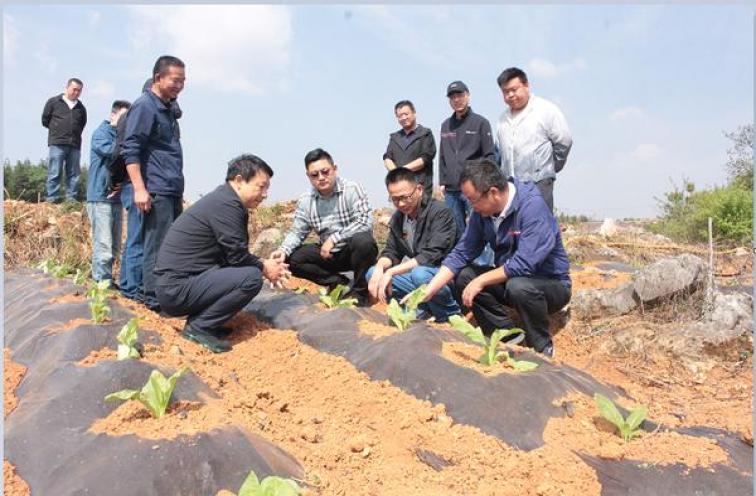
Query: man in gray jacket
column 421, row 233
column 532, row 135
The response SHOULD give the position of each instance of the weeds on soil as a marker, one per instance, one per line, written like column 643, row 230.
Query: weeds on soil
column 270, row 486
column 628, row 427
column 403, row 317
column 154, row 395
column 333, row 299
column 491, row 354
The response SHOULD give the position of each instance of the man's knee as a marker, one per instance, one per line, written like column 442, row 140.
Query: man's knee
column 421, row 275
column 252, row 281
column 363, row 243
column 521, row 289
column 464, row 278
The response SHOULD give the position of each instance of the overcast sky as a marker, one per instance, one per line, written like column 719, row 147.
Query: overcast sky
column 648, row 91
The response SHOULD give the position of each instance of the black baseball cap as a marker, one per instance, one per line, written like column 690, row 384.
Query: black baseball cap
column 456, row 87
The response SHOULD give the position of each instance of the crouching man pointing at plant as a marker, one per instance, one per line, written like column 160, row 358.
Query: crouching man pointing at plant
column 531, row 271
column 204, row 268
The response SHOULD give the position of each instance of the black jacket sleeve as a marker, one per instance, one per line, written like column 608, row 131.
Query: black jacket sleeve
column 393, row 250
column 230, row 232
column 428, row 150
column 389, row 150
column 486, row 141
column 440, row 236
column 47, row 113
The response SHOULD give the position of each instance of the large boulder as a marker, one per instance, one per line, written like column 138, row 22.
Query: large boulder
column 266, row 242
column 594, row 303
column 669, row 277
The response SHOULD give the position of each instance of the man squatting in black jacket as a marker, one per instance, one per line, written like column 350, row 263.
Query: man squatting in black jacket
column 204, row 268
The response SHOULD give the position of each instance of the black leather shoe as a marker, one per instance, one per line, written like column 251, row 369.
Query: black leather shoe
column 206, row 339
column 221, row 332
column 549, row 351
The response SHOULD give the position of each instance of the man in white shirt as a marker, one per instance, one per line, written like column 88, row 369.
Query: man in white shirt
column 532, row 136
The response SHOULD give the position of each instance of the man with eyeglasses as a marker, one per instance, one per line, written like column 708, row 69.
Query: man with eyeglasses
column 531, row 270
column 421, row 233
column 339, row 212
column 412, row 147
column 532, row 135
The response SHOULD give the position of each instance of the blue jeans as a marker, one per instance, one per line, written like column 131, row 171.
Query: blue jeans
column 155, row 225
column 130, row 280
column 105, row 218
column 441, row 306
column 63, row 157
column 459, row 206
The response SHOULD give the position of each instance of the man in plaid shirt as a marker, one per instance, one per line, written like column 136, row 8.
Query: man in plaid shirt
column 339, row 212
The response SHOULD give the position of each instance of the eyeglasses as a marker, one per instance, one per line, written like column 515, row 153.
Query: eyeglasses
column 317, row 174
column 403, row 198
column 482, row 195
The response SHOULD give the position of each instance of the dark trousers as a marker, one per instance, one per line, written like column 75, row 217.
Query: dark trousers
column 546, row 187
column 155, row 225
column 533, row 298
column 209, row 298
column 357, row 255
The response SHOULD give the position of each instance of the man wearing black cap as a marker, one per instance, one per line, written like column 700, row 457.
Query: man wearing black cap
column 464, row 136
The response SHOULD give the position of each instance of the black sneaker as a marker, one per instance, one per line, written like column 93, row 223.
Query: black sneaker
column 206, row 339
column 549, row 351
column 221, row 332
column 514, row 338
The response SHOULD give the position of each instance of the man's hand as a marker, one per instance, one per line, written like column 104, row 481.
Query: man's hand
column 116, row 190
column 325, row 249
column 275, row 271
column 375, row 281
column 442, row 188
column 278, row 255
column 384, row 287
column 471, row 291
column 142, row 200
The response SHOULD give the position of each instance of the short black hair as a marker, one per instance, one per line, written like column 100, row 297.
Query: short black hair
column 120, row 104
column 247, row 166
column 74, row 80
column 163, row 63
column 483, row 174
column 315, row 155
column 404, row 103
column 511, row 73
column 400, row 174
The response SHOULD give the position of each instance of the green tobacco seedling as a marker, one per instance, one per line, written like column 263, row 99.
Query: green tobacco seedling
column 47, row 265
column 79, row 278
column 98, row 296
column 333, row 299
column 270, row 486
column 154, row 395
column 301, row 289
column 402, row 318
column 127, row 340
column 627, row 428
column 490, row 352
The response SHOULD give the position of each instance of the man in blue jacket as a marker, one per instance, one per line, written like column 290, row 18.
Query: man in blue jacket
column 103, row 210
column 531, row 271
column 154, row 162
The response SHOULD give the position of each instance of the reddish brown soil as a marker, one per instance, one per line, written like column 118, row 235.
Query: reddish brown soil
column 71, row 324
column 12, row 375
column 467, row 355
column 13, row 484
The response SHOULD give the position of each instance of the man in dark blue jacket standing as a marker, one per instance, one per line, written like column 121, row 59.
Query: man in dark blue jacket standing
column 154, row 162
column 531, row 270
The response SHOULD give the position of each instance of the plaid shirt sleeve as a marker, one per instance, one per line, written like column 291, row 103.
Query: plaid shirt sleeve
column 354, row 213
column 300, row 228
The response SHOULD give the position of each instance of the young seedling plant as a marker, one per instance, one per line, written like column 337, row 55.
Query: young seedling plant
column 403, row 317
column 52, row 267
column 127, row 339
column 491, row 354
column 98, row 296
column 270, row 486
column 333, row 299
column 79, row 278
column 154, row 395
column 628, row 427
